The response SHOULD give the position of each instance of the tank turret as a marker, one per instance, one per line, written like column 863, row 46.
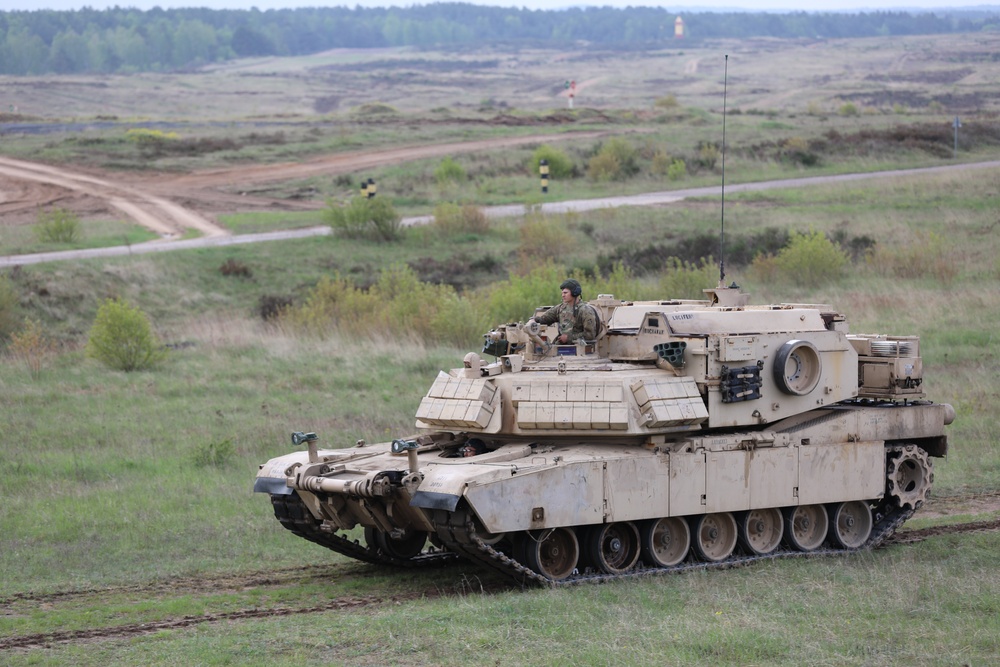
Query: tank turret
column 688, row 433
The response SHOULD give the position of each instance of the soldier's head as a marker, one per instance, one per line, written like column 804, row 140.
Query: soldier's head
column 571, row 290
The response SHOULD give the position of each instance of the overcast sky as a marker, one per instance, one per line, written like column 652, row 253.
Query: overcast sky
column 704, row 5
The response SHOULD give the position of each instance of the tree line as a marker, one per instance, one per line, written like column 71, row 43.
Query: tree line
column 124, row 40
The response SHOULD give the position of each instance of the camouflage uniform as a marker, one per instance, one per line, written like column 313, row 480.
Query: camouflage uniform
column 578, row 320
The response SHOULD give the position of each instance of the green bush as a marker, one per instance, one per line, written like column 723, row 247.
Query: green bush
column 604, row 167
column 122, row 338
column 449, row 172
column 666, row 102
column 848, row 109
column 708, row 155
column 398, row 304
column 516, row 298
column 809, row 260
column 543, row 238
column 686, row 280
column 616, row 159
column 560, row 165
column 9, row 307
column 660, row 163
column 57, row 225
column 374, row 219
column 677, row 170
column 452, row 218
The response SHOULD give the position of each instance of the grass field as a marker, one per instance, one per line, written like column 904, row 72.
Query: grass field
column 127, row 498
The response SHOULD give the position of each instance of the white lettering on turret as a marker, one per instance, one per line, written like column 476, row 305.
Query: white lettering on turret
column 682, row 316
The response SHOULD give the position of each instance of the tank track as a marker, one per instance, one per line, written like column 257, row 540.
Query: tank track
column 457, row 531
column 291, row 512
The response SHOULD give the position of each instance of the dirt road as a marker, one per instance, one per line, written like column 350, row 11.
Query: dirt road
column 159, row 214
column 153, row 202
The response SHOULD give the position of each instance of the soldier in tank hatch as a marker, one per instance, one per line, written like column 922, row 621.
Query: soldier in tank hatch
column 577, row 320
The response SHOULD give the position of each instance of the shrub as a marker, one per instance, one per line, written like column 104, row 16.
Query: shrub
column 560, row 165
column 8, row 307
column 543, row 238
column 397, row 304
column 604, row 167
column 516, row 298
column 374, row 219
column 796, row 150
column 271, row 306
column 677, row 170
column 660, row 163
column 215, row 453
column 809, row 259
column 449, row 172
column 452, row 218
column 234, row 267
column 147, row 138
column 30, row 346
column 926, row 256
column 708, row 155
column 666, row 102
column 848, row 109
column 686, row 280
column 624, row 152
column 122, row 338
column 57, row 225
column 375, row 109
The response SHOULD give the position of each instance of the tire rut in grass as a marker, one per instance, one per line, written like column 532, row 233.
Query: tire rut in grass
column 132, row 629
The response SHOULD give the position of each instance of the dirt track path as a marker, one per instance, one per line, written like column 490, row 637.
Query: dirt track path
column 155, row 213
column 153, row 202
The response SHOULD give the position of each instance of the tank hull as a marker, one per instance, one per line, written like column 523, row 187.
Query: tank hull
column 690, row 433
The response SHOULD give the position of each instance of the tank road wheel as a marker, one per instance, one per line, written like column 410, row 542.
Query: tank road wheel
column 614, row 547
column 552, row 553
column 714, row 536
column 910, row 473
column 403, row 548
column 666, row 541
column 850, row 524
column 761, row 531
column 805, row 527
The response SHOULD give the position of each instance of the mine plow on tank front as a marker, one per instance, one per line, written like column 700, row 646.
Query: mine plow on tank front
column 690, row 434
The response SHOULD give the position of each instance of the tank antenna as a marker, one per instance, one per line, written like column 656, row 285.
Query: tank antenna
column 722, row 240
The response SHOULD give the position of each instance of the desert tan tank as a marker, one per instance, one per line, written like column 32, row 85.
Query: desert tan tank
column 690, row 434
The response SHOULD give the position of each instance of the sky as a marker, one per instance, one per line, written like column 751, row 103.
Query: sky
column 688, row 5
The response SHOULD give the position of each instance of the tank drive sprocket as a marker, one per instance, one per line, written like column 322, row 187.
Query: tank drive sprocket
column 909, row 475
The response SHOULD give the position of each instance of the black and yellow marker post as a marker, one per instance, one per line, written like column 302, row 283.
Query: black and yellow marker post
column 368, row 188
column 543, row 169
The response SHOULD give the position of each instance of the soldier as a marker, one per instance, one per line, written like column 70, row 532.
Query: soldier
column 577, row 320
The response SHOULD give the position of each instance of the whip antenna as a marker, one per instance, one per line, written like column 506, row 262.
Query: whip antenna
column 722, row 240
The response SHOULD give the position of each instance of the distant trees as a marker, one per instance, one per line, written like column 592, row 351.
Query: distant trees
column 129, row 40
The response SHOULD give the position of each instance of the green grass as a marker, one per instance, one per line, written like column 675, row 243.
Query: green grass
column 935, row 603
column 23, row 239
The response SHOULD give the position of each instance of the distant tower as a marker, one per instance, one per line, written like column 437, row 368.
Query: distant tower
column 679, row 28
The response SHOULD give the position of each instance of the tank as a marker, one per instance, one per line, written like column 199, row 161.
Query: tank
column 689, row 434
